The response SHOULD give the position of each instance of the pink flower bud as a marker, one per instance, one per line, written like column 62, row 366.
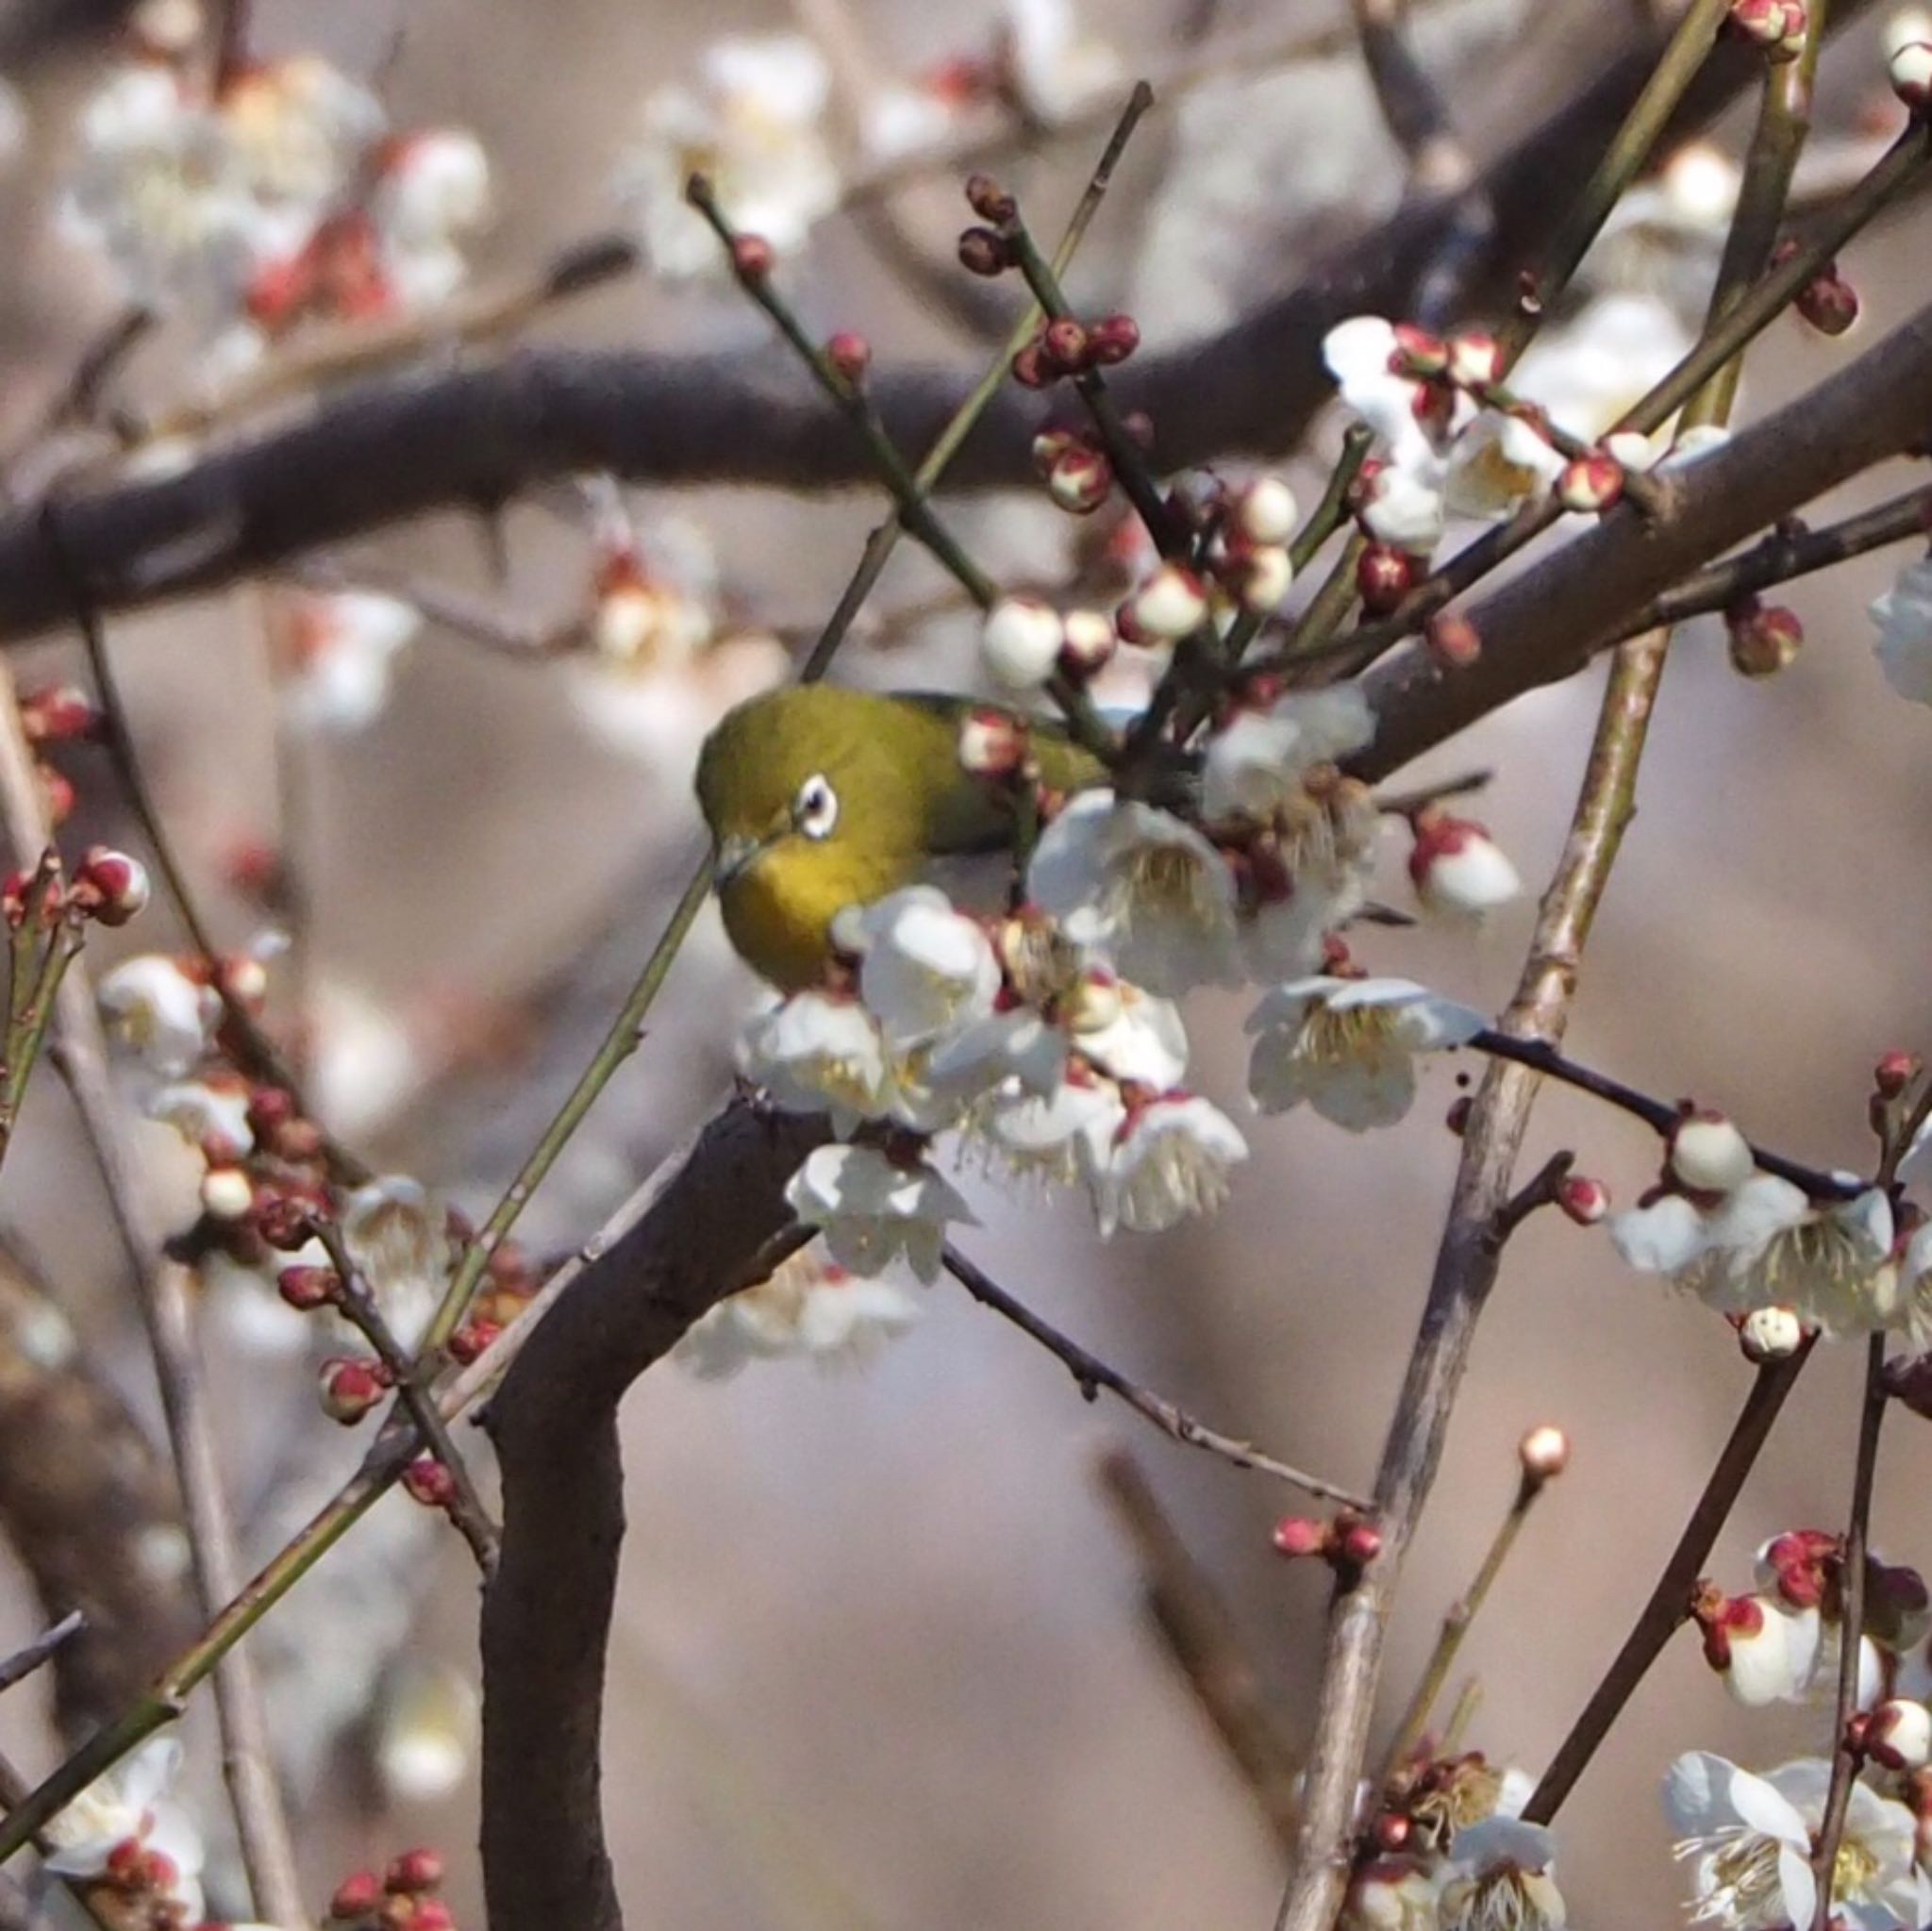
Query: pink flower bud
column 1049, row 445
column 1585, row 1201
column 1544, row 1452
column 1170, row 604
column 1708, row 1155
column 1762, row 637
column 1020, row 643
column 982, row 253
column 989, row 200
column 110, row 887
column 59, row 713
column 1770, row 1334
column 1266, row 511
column 309, row 1287
column 1112, row 339
column 1802, row 1566
column 850, row 354
column 1830, row 303
column 1894, row 1073
column 356, row 1896
column 351, row 1387
column 1383, row 576
column 1080, row 480
column 1452, row 639
column 430, row 1482
column 472, row 1340
column 430, row 1914
column 1088, row 643
column 1898, row 1735
column 415, row 1871
column 1770, row 25
column 1911, row 71
column 752, row 256
column 1064, row 347
column 1030, row 369
column 1591, row 484
column 1296, row 1536
column 992, row 744
column 1476, row 361
column 226, row 1194
column 1457, row 868
column 1361, row 1543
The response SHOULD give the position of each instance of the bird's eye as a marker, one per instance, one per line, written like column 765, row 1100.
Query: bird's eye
column 815, row 810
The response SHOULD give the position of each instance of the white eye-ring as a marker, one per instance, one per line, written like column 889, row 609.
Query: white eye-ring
column 815, row 810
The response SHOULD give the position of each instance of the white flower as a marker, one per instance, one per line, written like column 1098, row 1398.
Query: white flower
column 394, row 1233
column 1494, row 465
column 752, row 125
column 1904, row 617
column 1348, row 1046
column 212, row 1114
column 926, row 968
column 1020, row 643
column 299, row 125
column 1590, row 371
column 808, row 1307
column 1765, row 1651
column 1140, row 885
column 1364, row 355
column 339, row 649
column 433, row 187
column 1168, row 1158
column 1128, row 1033
column 1056, row 70
column 874, row 1210
column 155, row 1014
column 1751, row 1837
column 1497, row 1878
column 1403, row 504
column 819, row 1051
column 1258, row 760
column 130, row 1804
column 1053, row 1135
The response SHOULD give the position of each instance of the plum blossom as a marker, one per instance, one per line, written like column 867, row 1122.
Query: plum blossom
column 875, row 1210
column 157, row 1015
column 1257, row 760
column 753, row 125
column 1142, row 886
column 1904, row 617
column 210, row 1113
column 808, row 1307
column 818, row 1052
column 338, row 650
column 1167, row 1159
column 394, row 1233
column 1766, row 1650
column 1056, row 70
column 131, row 1806
column 926, row 969
column 1307, row 875
column 1054, row 1136
column 1497, row 1878
column 1348, row 1047
column 1751, row 1837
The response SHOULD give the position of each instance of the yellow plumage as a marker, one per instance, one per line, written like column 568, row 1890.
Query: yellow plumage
column 819, row 798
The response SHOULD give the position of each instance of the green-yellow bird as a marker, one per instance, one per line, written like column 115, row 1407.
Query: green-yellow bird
column 819, row 798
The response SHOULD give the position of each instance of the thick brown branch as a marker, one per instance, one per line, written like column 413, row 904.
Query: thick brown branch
column 380, row 452
column 546, row 1613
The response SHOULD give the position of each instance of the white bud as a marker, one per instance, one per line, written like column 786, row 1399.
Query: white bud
column 1910, row 70
column 1267, row 576
column 1544, row 1452
column 1170, row 604
column 1708, row 1154
column 1899, row 1734
column 1088, row 641
column 225, row 1194
column 1021, row 642
column 1458, row 870
column 1268, row 512
column 1770, row 1334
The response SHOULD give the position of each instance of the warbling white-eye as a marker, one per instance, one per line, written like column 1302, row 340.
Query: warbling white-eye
column 819, row 798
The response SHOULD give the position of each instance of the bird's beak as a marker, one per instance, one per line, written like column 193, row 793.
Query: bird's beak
column 736, row 856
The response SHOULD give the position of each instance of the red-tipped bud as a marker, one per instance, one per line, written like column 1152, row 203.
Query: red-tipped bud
column 1383, row 576
column 356, row 1896
column 429, row 1914
column 1476, row 361
column 415, row 1871
column 309, row 1287
column 983, row 253
column 1776, row 25
column 1359, row 1544
column 59, row 713
column 1761, row 637
column 1898, row 1735
column 285, row 1215
column 1169, row 605
column 1030, row 369
column 21, row 885
column 472, row 1340
column 1050, row 445
column 1585, row 1201
column 989, row 200
column 430, row 1482
column 1591, row 484
column 992, row 744
column 1064, row 345
column 1452, row 639
column 1910, row 72
column 1296, row 1536
column 1080, row 480
column 1088, row 643
column 110, row 887
column 850, row 354
column 1393, row 1831
column 1112, row 339
column 1457, row 1118
column 351, row 1387
column 1830, row 303
column 752, row 256
column 1544, row 1452
column 1894, row 1073
column 1418, row 353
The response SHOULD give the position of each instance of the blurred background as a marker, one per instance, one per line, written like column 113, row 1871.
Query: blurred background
column 882, row 1658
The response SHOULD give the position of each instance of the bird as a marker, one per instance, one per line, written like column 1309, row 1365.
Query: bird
column 819, row 797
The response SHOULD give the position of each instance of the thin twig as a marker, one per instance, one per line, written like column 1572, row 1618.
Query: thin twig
column 1092, row 1374
column 166, row 1306
column 30, row 1657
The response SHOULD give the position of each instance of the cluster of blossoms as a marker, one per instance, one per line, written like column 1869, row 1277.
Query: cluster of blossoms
column 136, row 1854
column 752, row 121
column 809, row 1307
column 1759, row 1248
column 248, row 201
